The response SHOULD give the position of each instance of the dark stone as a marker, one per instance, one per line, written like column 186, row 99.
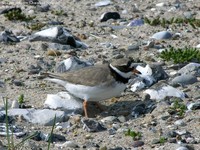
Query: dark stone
column 138, row 143
column 92, row 125
column 110, row 15
column 18, row 83
column 138, row 110
column 7, row 10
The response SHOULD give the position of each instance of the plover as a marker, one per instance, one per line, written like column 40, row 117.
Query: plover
column 95, row 83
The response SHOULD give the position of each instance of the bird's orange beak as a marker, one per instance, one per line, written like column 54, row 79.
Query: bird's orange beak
column 135, row 71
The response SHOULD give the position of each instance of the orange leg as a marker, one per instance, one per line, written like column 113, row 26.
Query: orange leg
column 85, row 108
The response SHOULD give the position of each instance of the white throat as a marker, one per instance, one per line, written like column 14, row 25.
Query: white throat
column 123, row 74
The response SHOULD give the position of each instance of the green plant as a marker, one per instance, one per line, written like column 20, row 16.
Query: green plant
column 195, row 23
column 133, row 134
column 17, row 14
column 58, row 12
column 181, row 55
column 21, row 99
column 51, row 135
column 178, row 108
column 36, row 26
column 10, row 138
column 162, row 140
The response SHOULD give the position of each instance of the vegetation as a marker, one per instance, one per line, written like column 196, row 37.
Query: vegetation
column 181, row 55
column 36, row 26
column 133, row 134
column 16, row 14
column 195, row 23
column 178, row 108
column 162, row 140
column 21, row 99
column 11, row 145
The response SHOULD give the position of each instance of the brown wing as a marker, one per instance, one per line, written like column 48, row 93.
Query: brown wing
column 91, row 76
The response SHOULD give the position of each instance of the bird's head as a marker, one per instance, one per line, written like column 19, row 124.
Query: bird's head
column 124, row 67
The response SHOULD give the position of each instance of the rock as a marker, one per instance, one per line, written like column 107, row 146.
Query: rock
column 40, row 136
column 42, row 116
column 138, row 143
column 69, row 144
column 111, row 131
column 184, row 79
column 109, row 119
column 103, row 3
column 164, row 91
column 92, row 125
column 53, row 53
column 162, row 35
column 58, row 46
column 18, row 82
column 8, row 36
column 191, row 68
column 133, row 47
column 160, row 4
column 138, row 110
column 136, row 22
column 179, row 123
column 72, row 63
column 109, row 15
column 182, row 148
column 46, row 117
column 158, row 73
column 12, row 130
column 194, row 106
column 121, row 119
column 43, row 8
column 57, row 35
column 64, row 101
column 155, row 141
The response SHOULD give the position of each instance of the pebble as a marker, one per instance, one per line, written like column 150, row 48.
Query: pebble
column 103, row 3
column 138, row 143
column 92, row 125
column 133, row 47
column 69, row 144
column 162, row 35
column 136, row 22
column 18, row 83
column 72, row 63
column 194, row 106
column 121, row 119
column 184, row 79
column 182, row 148
column 160, row 4
column 138, row 110
column 191, row 68
column 180, row 123
column 53, row 53
column 109, row 119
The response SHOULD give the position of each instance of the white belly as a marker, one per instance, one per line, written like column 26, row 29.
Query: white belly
column 96, row 93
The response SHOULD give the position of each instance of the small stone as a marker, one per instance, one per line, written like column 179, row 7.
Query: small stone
column 121, row 119
column 162, row 35
column 92, row 125
column 53, row 53
column 155, row 141
column 138, row 110
column 109, row 119
column 133, row 47
column 182, row 148
column 180, row 123
column 18, row 83
column 69, row 144
column 172, row 140
column 138, row 143
column 103, row 3
column 103, row 148
column 194, row 106
column 112, row 131
column 184, row 80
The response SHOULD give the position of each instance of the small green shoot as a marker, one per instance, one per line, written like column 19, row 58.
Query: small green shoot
column 179, row 108
column 21, row 99
column 133, row 134
column 51, row 135
column 195, row 23
column 162, row 140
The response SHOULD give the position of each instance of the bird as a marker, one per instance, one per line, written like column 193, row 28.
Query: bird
column 95, row 83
